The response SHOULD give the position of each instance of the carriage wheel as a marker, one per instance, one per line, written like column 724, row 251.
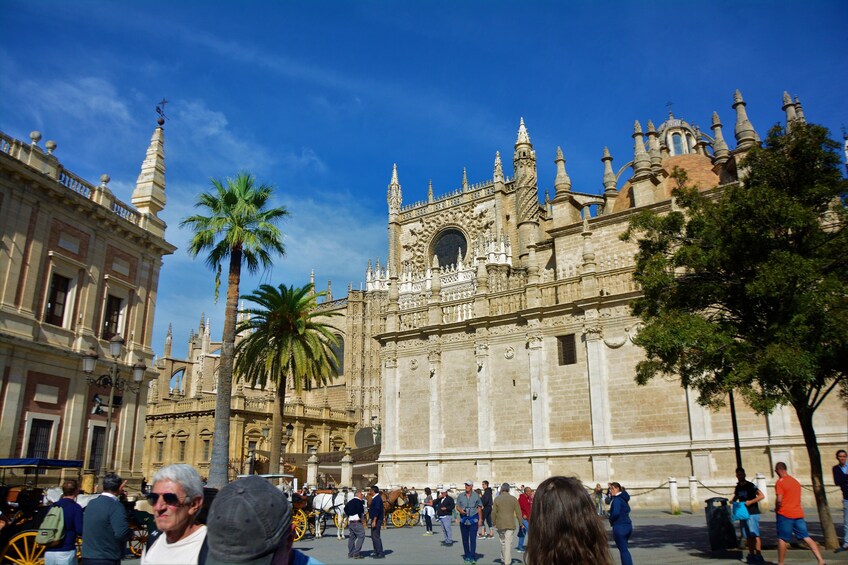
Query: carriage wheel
column 139, row 540
column 299, row 524
column 413, row 518
column 399, row 518
column 22, row 550
column 336, row 520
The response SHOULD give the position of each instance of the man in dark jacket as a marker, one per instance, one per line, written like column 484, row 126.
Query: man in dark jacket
column 375, row 511
column 488, row 500
column 66, row 551
column 105, row 527
column 444, row 511
column 840, row 479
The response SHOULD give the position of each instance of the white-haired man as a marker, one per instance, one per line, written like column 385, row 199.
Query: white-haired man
column 176, row 497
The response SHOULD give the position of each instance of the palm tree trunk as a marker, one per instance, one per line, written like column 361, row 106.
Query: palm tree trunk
column 218, row 465
column 805, row 418
column 277, row 427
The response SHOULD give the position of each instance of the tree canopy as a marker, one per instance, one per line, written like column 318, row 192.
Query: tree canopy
column 745, row 288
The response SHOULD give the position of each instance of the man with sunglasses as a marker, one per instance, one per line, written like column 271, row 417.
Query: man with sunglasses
column 176, row 497
column 105, row 528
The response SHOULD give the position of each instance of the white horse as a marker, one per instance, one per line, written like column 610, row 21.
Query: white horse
column 332, row 504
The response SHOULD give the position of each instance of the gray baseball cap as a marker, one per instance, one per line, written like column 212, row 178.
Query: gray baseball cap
column 247, row 522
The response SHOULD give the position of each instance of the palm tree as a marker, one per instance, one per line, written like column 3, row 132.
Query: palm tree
column 239, row 226
column 285, row 338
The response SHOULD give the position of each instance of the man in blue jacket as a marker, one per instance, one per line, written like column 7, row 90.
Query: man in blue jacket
column 375, row 513
column 105, row 527
column 66, row 552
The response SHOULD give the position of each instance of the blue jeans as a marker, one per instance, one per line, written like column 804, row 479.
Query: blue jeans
column 521, row 537
column 468, row 528
column 621, row 535
column 844, row 523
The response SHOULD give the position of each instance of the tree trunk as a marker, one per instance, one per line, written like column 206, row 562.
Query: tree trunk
column 805, row 418
column 277, row 427
column 218, row 464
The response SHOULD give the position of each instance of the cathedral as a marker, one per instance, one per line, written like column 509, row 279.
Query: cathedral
column 496, row 342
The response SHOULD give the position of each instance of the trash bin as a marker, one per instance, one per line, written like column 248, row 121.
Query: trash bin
column 719, row 525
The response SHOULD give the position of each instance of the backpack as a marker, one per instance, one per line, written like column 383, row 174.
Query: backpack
column 52, row 529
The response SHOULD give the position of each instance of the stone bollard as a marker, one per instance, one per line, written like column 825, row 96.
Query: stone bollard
column 312, row 470
column 760, row 481
column 347, row 468
column 672, row 493
column 694, row 503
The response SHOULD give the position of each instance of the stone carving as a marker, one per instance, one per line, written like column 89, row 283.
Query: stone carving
column 419, row 236
column 509, row 353
column 413, row 364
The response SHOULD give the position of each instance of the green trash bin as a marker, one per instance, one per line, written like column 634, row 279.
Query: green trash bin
column 719, row 525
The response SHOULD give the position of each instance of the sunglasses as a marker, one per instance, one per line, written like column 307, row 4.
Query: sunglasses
column 168, row 498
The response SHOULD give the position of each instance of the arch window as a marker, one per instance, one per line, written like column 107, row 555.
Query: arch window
column 677, row 144
column 338, row 350
column 177, row 382
column 448, row 245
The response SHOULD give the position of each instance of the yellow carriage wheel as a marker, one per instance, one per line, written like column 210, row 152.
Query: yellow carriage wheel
column 399, row 518
column 336, row 521
column 299, row 524
column 412, row 518
column 22, row 550
column 139, row 540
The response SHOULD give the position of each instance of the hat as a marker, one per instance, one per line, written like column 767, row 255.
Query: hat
column 505, row 487
column 469, row 482
column 247, row 522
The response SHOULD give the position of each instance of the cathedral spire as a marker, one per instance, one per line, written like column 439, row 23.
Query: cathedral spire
column 149, row 194
column 789, row 109
column 654, row 148
column 609, row 176
column 641, row 160
column 523, row 137
column 430, row 191
column 746, row 137
column 720, row 151
column 562, row 182
column 464, row 180
column 526, row 194
column 799, row 111
column 499, row 176
column 394, row 195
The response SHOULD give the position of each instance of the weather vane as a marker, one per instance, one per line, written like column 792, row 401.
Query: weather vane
column 668, row 105
column 160, row 109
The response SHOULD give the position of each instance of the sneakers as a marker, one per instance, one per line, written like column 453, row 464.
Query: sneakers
column 841, row 549
column 519, row 549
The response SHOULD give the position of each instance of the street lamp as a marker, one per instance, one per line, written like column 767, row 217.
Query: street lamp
column 114, row 381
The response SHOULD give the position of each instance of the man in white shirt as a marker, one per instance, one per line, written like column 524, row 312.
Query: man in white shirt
column 176, row 498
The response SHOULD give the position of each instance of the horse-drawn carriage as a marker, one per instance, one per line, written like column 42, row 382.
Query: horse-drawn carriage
column 24, row 507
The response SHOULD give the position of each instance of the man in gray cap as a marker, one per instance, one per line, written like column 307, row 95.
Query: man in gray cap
column 506, row 514
column 249, row 523
column 470, row 508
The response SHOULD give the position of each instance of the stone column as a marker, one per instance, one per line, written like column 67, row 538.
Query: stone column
column 674, row 499
column 10, row 416
column 312, row 470
column 347, row 469
column 485, row 425
column 436, row 431
column 760, row 481
column 538, row 404
column 694, row 503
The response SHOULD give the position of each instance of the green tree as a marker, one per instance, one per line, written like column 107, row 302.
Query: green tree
column 285, row 337
column 239, row 226
column 744, row 288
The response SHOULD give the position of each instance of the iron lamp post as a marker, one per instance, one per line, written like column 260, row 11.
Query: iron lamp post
column 114, row 381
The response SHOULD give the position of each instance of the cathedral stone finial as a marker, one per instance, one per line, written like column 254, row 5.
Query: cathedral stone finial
column 720, row 150
column 609, row 175
column 641, row 160
column 394, row 195
column 523, row 137
column 746, row 137
column 562, row 182
column 499, row 176
column 464, row 180
column 799, row 111
column 654, row 148
column 430, row 191
column 789, row 109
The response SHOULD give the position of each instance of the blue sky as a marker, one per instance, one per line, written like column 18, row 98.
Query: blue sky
column 321, row 98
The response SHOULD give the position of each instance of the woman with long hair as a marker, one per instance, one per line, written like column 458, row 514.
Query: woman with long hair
column 564, row 526
column 619, row 517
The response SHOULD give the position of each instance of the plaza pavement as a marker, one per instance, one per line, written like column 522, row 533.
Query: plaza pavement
column 659, row 538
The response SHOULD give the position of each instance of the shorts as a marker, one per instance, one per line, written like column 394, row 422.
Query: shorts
column 787, row 526
column 751, row 526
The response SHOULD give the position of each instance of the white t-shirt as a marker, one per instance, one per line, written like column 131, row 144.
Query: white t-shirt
column 185, row 551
